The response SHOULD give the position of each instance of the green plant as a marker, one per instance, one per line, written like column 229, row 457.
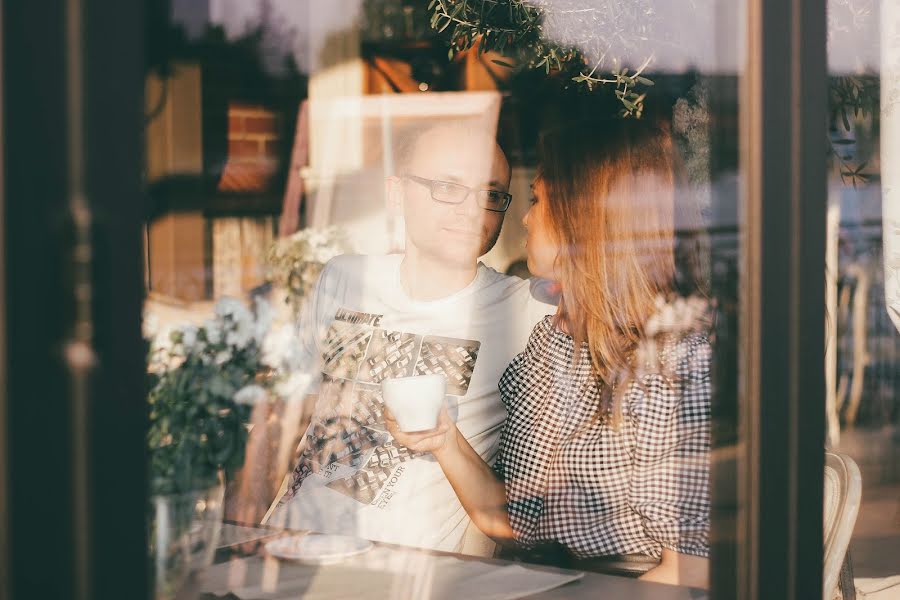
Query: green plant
column 853, row 87
column 202, row 383
column 294, row 262
column 851, row 98
column 533, row 35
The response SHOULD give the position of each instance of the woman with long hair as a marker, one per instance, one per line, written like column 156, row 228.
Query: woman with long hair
column 604, row 458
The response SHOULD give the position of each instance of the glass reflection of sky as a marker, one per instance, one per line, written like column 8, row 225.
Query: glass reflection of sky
column 680, row 34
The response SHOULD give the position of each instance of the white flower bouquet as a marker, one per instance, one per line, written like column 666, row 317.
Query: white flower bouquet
column 294, row 262
column 202, row 382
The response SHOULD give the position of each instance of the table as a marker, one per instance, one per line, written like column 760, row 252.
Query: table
column 401, row 573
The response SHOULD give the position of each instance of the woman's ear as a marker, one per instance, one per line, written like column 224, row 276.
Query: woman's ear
column 394, row 195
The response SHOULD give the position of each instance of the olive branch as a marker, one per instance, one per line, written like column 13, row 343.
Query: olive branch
column 517, row 30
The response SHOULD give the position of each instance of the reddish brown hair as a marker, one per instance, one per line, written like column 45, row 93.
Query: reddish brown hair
column 611, row 192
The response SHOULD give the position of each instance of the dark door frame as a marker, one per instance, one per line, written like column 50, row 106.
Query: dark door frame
column 74, row 393
column 782, row 371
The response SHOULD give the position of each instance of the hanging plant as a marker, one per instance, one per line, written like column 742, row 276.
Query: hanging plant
column 580, row 45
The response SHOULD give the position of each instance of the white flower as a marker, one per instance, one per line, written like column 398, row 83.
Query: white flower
column 240, row 333
column 317, row 237
column 213, row 331
column 223, row 357
column 295, row 387
column 188, row 338
column 163, row 339
column 281, row 348
column 263, row 320
column 236, row 322
column 250, row 394
column 228, row 308
column 679, row 316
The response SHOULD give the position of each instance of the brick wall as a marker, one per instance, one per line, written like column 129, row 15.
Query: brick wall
column 252, row 134
column 240, row 243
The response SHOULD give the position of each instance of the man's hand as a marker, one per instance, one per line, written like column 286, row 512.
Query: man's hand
column 436, row 441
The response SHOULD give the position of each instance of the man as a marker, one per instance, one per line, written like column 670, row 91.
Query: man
column 433, row 309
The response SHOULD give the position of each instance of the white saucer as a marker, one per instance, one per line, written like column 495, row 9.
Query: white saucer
column 317, row 548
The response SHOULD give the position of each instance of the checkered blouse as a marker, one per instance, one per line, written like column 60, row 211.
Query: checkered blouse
column 576, row 480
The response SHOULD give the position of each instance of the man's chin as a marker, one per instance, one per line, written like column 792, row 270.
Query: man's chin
column 457, row 259
column 461, row 261
column 456, row 252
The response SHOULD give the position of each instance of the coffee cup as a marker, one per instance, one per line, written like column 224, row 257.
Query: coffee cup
column 415, row 401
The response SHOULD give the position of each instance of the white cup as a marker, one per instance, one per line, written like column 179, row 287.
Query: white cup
column 415, row 401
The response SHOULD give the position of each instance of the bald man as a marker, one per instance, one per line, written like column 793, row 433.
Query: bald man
column 433, row 309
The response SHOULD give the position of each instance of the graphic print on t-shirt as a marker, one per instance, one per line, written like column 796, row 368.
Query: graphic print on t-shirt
column 347, row 442
column 453, row 358
column 345, row 345
column 390, row 355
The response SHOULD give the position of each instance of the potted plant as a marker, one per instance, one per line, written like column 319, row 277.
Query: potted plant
column 203, row 381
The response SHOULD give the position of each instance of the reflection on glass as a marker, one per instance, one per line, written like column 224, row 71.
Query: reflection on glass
column 519, row 198
column 863, row 342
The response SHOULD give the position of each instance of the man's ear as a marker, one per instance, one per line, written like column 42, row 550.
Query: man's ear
column 394, row 195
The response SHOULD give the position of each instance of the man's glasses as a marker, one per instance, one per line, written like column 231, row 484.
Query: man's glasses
column 454, row 193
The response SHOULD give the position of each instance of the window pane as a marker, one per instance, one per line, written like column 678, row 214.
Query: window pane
column 863, row 358
column 327, row 277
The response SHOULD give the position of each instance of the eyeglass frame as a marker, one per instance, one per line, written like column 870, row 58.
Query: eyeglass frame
column 430, row 183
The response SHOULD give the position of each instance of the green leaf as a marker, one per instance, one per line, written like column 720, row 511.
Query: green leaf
column 643, row 81
column 502, row 63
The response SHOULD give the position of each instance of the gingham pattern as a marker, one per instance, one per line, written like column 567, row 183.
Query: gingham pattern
column 576, row 480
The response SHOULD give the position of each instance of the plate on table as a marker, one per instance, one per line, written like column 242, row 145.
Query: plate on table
column 317, row 548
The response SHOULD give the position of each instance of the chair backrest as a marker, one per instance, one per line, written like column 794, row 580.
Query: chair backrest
column 843, row 490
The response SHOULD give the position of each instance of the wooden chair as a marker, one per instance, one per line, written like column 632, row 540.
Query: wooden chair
column 843, row 491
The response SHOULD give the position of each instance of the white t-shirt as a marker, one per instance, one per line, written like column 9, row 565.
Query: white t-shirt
column 360, row 328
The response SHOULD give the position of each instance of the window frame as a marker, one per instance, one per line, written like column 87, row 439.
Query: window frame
column 776, row 551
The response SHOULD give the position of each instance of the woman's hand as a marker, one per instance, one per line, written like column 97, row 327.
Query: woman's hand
column 435, row 441
column 480, row 492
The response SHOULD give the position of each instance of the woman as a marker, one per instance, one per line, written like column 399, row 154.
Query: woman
column 604, row 454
